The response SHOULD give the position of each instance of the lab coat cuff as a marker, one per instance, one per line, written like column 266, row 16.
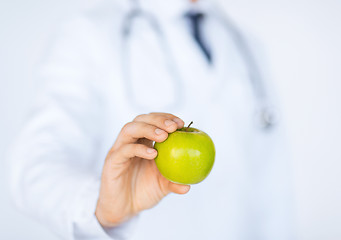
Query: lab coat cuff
column 85, row 223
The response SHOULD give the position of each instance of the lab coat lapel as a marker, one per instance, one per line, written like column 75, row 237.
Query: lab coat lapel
column 193, row 68
column 150, row 78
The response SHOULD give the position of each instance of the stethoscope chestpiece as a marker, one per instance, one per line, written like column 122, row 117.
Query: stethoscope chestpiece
column 266, row 118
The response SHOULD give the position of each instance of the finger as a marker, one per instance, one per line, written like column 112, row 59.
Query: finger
column 133, row 131
column 128, row 151
column 160, row 121
column 178, row 188
column 164, row 121
column 146, row 142
column 176, row 119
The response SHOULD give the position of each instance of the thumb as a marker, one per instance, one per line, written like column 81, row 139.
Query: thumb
column 178, row 188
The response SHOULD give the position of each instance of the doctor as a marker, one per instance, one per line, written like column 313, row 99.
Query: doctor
column 83, row 164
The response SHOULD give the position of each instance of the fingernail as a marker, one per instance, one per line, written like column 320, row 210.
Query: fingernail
column 178, row 121
column 168, row 122
column 151, row 150
column 159, row 131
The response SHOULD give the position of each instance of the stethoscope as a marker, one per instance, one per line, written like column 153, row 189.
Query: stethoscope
column 266, row 115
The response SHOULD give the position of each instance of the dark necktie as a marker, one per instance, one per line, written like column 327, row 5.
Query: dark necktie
column 196, row 20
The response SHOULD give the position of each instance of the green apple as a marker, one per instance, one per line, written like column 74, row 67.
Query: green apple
column 186, row 157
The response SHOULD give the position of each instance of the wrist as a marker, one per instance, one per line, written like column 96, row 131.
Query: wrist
column 108, row 218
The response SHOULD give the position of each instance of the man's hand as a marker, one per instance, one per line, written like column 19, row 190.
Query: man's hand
column 130, row 179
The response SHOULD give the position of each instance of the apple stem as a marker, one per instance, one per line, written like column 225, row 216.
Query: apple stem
column 189, row 126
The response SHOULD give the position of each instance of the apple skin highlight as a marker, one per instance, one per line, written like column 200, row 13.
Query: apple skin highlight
column 186, row 156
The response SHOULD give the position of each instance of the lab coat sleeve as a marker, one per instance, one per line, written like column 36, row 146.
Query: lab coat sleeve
column 52, row 171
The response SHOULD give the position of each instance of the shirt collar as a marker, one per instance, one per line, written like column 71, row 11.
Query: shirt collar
column 166, row 10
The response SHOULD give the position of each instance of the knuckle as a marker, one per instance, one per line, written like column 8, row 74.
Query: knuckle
column 130, row 150
column 126, row 128
column 158, row 113
column 111, row 156
column 162, row 118
column 122, row 152
column 121, row 149
column 161, row 138
column 140, row 117
column 151, row 115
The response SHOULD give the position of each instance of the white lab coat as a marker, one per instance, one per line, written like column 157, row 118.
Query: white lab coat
column 57, row 160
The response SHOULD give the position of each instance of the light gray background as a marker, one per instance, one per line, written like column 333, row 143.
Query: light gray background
column 302, row 39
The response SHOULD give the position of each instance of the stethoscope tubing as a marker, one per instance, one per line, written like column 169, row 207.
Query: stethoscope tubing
column 266, row 115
